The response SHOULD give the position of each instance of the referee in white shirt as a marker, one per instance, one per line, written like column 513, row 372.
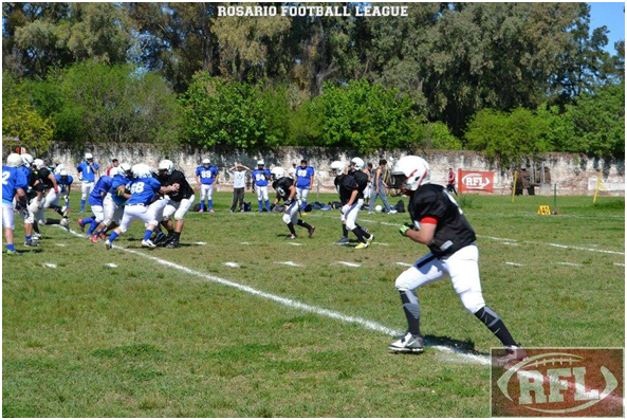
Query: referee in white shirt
column 239, row 185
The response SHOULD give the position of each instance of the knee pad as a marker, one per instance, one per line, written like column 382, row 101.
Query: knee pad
column 287, row 219
column 472, row 301
column 403, row 281
column 350, row 225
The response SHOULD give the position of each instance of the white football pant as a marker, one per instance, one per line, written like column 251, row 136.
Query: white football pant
column 178, row 208
column 262, row 192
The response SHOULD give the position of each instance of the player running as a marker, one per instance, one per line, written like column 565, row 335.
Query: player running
column 144, row 204
column 261, row 176
column 348, row 190
column 439, row 223
column 47, row 197
column 206, row 176
column 87, row 172
column 181, row 197
column 96, row 202
column 285, row 190
column 113, row 202
column 14, row 185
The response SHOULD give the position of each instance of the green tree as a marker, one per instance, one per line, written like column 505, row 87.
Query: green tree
column 599, row 121
column 221, row 113
column 43, row 36
column 366, row 117
column 20, row 119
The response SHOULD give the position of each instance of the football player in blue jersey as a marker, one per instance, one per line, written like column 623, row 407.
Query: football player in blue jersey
column 145, row 203
column 261, row 176
column 304, row 182
column 87, row 172
column 14, row 185
column 64, row 181
column 207, row 176
column 96, row 202
column 113, row 203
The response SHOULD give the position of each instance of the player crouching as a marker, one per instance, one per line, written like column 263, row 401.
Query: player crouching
column 286, row 191
column 439, row 223
column 144, row 204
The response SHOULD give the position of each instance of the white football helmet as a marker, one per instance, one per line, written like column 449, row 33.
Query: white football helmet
column 359, row 163
column 63, row 172
column 124, row 169
column 88, row 156
column 206, row 161
column 59, row 168
column 27, row 159
column 337, row 167
column 113, row 172
column 260, row 163
column 38, row 163
column 14, row 160
column 141, row 170
column 291, row 173
column 412, row 172
column 167, row 166
column 278, row 172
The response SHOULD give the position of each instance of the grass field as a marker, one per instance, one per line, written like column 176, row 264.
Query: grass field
column 145, row 339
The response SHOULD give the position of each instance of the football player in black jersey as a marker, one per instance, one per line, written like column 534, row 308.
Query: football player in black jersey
column 181, row 194
column 439, row 223
column 349, row 191
column 47, row 185
column 286, row 191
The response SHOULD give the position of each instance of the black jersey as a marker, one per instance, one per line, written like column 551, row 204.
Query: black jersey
column 177, row 177
column 43, row 175
column 453, row 231
column 345, row 185
column 362, row 182
column 282, row 187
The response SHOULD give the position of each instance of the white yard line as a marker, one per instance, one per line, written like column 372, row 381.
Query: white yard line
column 201, row 243
column 111, row 265
column 403, row 264
column 514, row 264
column 295, row 244
column 349, row 264
column 569, row 264
column 232, row 264
column 463, row 356
column 619, row 264
column 50, row 265
column 290, row 263
column 61, row 245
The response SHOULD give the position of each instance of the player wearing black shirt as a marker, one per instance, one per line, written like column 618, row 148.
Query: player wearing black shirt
column 350, row 187
column 439, row 223
column 47, row 195
column 181, row 197
column 286, row 191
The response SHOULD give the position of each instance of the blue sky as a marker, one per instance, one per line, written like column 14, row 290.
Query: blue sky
column 612, row 16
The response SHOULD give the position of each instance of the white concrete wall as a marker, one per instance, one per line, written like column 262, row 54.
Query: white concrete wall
column 572, row 173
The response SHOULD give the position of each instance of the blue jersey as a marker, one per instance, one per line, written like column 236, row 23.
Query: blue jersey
column 116, row 182
column 88, row 173
column 60, row 181
column 12, row 179
column 143, row 191
column 259, row 177
column 207, row 175
column 303, row 177
column 100, row 191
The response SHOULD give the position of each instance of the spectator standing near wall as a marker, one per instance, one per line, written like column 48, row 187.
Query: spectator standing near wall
column 238, row 172
column 451, row 181
column 381, row 179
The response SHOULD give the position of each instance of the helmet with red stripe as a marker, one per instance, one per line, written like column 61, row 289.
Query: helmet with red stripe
column 411, row 172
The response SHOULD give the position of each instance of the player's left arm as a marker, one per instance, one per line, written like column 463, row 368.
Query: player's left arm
column 424, row 235
column 55, row 186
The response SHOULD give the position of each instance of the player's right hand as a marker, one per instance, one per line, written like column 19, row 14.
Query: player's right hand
column 403, row 229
